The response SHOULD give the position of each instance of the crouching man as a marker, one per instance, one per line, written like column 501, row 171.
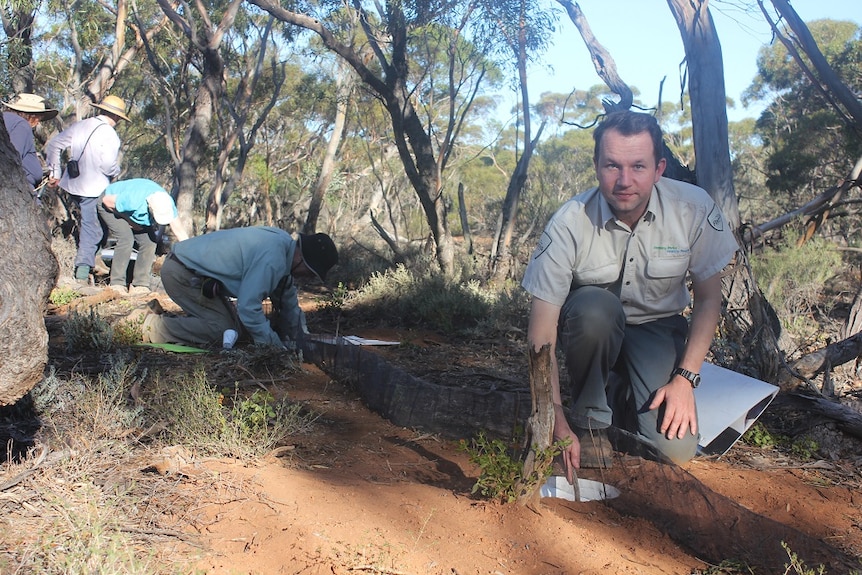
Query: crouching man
column 608, row 281
column 249, row 264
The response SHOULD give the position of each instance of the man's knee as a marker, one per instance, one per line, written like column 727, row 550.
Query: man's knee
column 593, row 312
column 678, row 451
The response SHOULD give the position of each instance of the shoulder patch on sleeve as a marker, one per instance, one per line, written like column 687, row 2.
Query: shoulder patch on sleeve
column 544, row 243
column 716, row 219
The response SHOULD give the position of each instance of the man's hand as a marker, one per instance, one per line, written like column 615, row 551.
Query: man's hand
column 680, row 413
column 572, row 452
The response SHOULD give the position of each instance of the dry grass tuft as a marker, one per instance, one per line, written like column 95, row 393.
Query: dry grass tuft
column 116, row 482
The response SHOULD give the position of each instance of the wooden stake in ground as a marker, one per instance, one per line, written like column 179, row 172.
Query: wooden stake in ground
column 539, row 435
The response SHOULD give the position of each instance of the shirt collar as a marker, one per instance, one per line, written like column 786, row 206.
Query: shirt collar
column 608, row 219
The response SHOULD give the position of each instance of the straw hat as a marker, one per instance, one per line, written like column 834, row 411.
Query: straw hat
column 113, row 105
column 31, row 104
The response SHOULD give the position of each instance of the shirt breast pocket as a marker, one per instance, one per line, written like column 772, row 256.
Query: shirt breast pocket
column 599, row 276
column 664, row 276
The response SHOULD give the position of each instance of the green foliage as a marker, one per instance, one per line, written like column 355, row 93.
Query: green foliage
column 128, row 333
column 63, row 295
column 793, row 278
column 803, row 447
column 726, row 567
column 797, row 566
column 500, row 471
column 411, row 298
column 501, row 474
column 759, row 436
column 254, row 412
column 87, row 332
column 808, row 141
column 210, row 422
column 334, row 301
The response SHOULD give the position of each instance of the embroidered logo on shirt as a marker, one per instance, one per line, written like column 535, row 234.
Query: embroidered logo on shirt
column 716, row 219
column 669, row 251
column 544, row 244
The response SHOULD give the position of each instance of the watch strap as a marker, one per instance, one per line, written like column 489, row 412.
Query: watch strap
column 693, row 378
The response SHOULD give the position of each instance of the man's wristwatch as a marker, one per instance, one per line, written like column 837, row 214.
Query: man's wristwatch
column 693, row 378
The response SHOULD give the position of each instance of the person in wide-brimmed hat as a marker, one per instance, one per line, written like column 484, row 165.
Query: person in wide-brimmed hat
column 25, row 111
column 251, row 265
column 92, row 148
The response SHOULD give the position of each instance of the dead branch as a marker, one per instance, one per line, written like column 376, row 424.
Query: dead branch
column 810, row 365
column 539, row 435
column 606, row 68
column 821, row 204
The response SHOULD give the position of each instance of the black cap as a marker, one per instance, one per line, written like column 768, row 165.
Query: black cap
column 318, row 253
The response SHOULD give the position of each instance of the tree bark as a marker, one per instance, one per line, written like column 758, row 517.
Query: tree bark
column 605, row 66
column 30, row 271
column 821, row 361
column 539, row 435
column 343, row 88
column 465, row 223
column 708, row 103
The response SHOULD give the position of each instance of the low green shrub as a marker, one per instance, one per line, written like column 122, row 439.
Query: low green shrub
column 502, row 469
column 87, row 332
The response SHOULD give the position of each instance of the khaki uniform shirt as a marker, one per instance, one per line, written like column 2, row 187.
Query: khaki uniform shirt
column 683, row 233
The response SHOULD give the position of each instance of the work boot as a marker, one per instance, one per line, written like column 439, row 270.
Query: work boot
column 596, row 449
column 82, row 273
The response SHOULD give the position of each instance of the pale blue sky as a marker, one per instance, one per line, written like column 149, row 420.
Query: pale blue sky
column 644, row 41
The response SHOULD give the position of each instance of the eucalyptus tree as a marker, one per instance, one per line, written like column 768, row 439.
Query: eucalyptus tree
column 86, row 48
column 204, row 28
column 519, row 29
column 18, row 19
column 392, row 29
column 810, row 143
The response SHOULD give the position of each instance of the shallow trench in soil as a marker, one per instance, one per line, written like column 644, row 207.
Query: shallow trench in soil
column 713, row 526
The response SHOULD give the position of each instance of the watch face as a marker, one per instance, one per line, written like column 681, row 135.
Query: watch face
column 695, row 381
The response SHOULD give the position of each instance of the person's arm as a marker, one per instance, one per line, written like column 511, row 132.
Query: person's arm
column 542, row 330
column 680, row 414
column 109, row 201
column 52, row 155
column 22, row 140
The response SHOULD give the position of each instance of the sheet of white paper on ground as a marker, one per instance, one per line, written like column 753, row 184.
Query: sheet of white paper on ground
column 558, row 486
column 728, row 403
column 353, row 340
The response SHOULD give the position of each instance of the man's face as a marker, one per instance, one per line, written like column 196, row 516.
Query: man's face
column 627, row 170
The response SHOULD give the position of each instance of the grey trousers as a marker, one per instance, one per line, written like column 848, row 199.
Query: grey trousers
column 126, row 237
column 614, row 368
column 206, row 318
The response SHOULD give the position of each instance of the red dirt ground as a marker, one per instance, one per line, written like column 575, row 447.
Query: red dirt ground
column 361, row 495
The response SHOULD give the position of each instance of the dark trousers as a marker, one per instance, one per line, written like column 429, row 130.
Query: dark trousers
column 90, row 231
column 615, row 368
